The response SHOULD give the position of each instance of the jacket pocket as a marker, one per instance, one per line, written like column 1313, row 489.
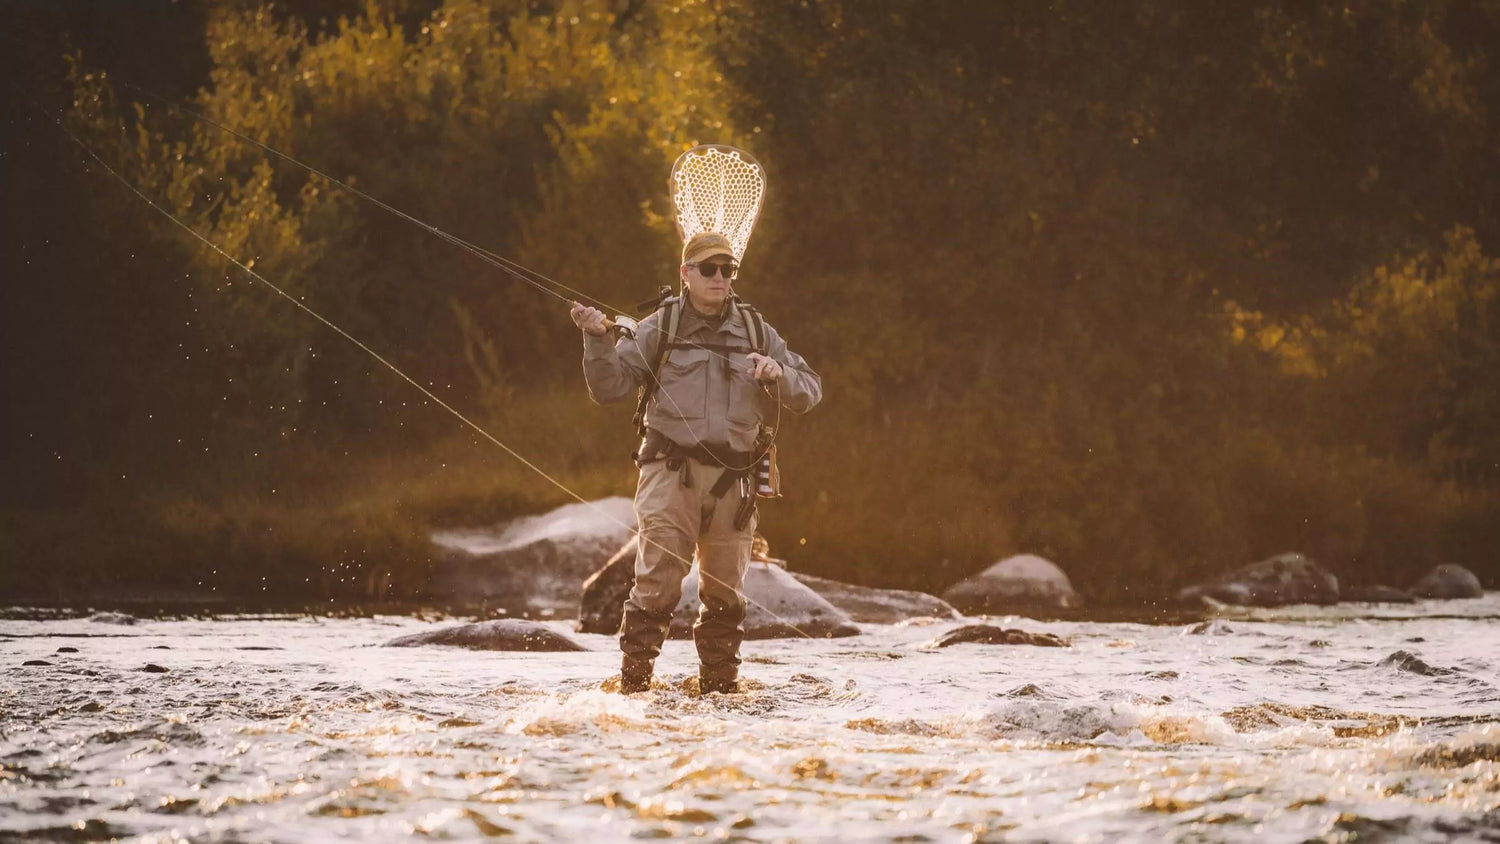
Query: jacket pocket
column 684, row 385
column 744, row 397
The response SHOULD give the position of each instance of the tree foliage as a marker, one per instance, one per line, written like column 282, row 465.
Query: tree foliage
column 1149, row 288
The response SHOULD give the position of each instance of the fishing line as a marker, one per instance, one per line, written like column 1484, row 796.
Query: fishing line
column 513, row 268
column 397, row 370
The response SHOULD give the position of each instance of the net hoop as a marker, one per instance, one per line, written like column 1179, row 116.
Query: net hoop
column 718, row 188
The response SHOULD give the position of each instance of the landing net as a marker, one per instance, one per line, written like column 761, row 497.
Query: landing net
column 718, row 188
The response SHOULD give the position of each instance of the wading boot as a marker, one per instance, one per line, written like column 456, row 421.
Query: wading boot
column 635, row 676
column 724, row 684
column 641, row 635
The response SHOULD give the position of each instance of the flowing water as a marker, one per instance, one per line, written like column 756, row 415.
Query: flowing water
column 1331, row 724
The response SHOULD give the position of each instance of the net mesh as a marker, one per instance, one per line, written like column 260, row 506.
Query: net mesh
column 718, row 189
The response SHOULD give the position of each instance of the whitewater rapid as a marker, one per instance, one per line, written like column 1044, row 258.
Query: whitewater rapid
column 1286, row 725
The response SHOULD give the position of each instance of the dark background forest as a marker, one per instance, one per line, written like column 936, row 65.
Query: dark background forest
column 1152, row 289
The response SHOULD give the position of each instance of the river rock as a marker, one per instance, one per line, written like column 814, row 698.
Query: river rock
column 877, row 606
column 1025, row 580
column 988, row 634
column 507, row 634
column 1211, row 627
column 535, row 562
column 604, row 593
column 778, row 607
column 1284, row 579
column 1376, row 595
column 1448, row 581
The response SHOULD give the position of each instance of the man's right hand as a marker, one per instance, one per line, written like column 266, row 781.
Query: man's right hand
column 591, row 320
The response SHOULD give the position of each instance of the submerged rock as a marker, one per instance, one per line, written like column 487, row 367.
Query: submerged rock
column 988, row 634
column 501, row 635
column 1211, row 627
column 1448, row 581
column 1283, row 579
column 1410, row 662
column 1025, row 580
column 877, row 606
column 777, row 607
column 535, row 562
column 1377, row 595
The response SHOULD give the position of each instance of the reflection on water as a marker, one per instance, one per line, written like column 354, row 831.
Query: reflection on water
column 1296, row 724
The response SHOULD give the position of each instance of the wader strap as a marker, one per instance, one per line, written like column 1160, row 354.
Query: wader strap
column 725, row 481
column 666, row 335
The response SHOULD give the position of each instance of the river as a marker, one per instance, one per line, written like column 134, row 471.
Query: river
column 1331, row 724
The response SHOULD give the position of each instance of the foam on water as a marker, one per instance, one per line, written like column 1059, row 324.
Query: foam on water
column 1295, row 724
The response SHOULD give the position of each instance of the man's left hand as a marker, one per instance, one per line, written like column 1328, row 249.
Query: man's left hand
column 764, row 369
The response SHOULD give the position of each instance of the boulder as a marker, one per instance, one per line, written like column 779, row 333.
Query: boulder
column 1448, row 581
column 778, row 607
column 1025, row 580
column 1376, row 595
column 534, row 562
column 877, row 606
column 1283, row 579
column 988, row 634
column 605, row 591
column 502, row 635
column 766, row 583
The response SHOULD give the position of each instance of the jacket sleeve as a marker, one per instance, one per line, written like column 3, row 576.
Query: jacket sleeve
column 800, row 387
column 613, row 369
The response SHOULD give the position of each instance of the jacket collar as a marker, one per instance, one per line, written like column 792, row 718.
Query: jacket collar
column 733, row 322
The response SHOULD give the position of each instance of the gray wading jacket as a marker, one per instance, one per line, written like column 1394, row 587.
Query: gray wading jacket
column 703, row 398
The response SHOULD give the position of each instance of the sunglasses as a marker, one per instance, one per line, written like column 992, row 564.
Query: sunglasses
column 710, row 270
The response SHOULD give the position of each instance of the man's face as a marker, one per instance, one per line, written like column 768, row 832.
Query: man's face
column 708, row 292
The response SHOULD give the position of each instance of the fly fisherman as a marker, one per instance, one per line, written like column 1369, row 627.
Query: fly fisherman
column 703, row 434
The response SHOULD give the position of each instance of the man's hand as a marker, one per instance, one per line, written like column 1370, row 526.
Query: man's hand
column 591, row 320
column 764, row 369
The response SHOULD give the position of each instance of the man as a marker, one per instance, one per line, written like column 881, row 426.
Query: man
column 696, row 489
